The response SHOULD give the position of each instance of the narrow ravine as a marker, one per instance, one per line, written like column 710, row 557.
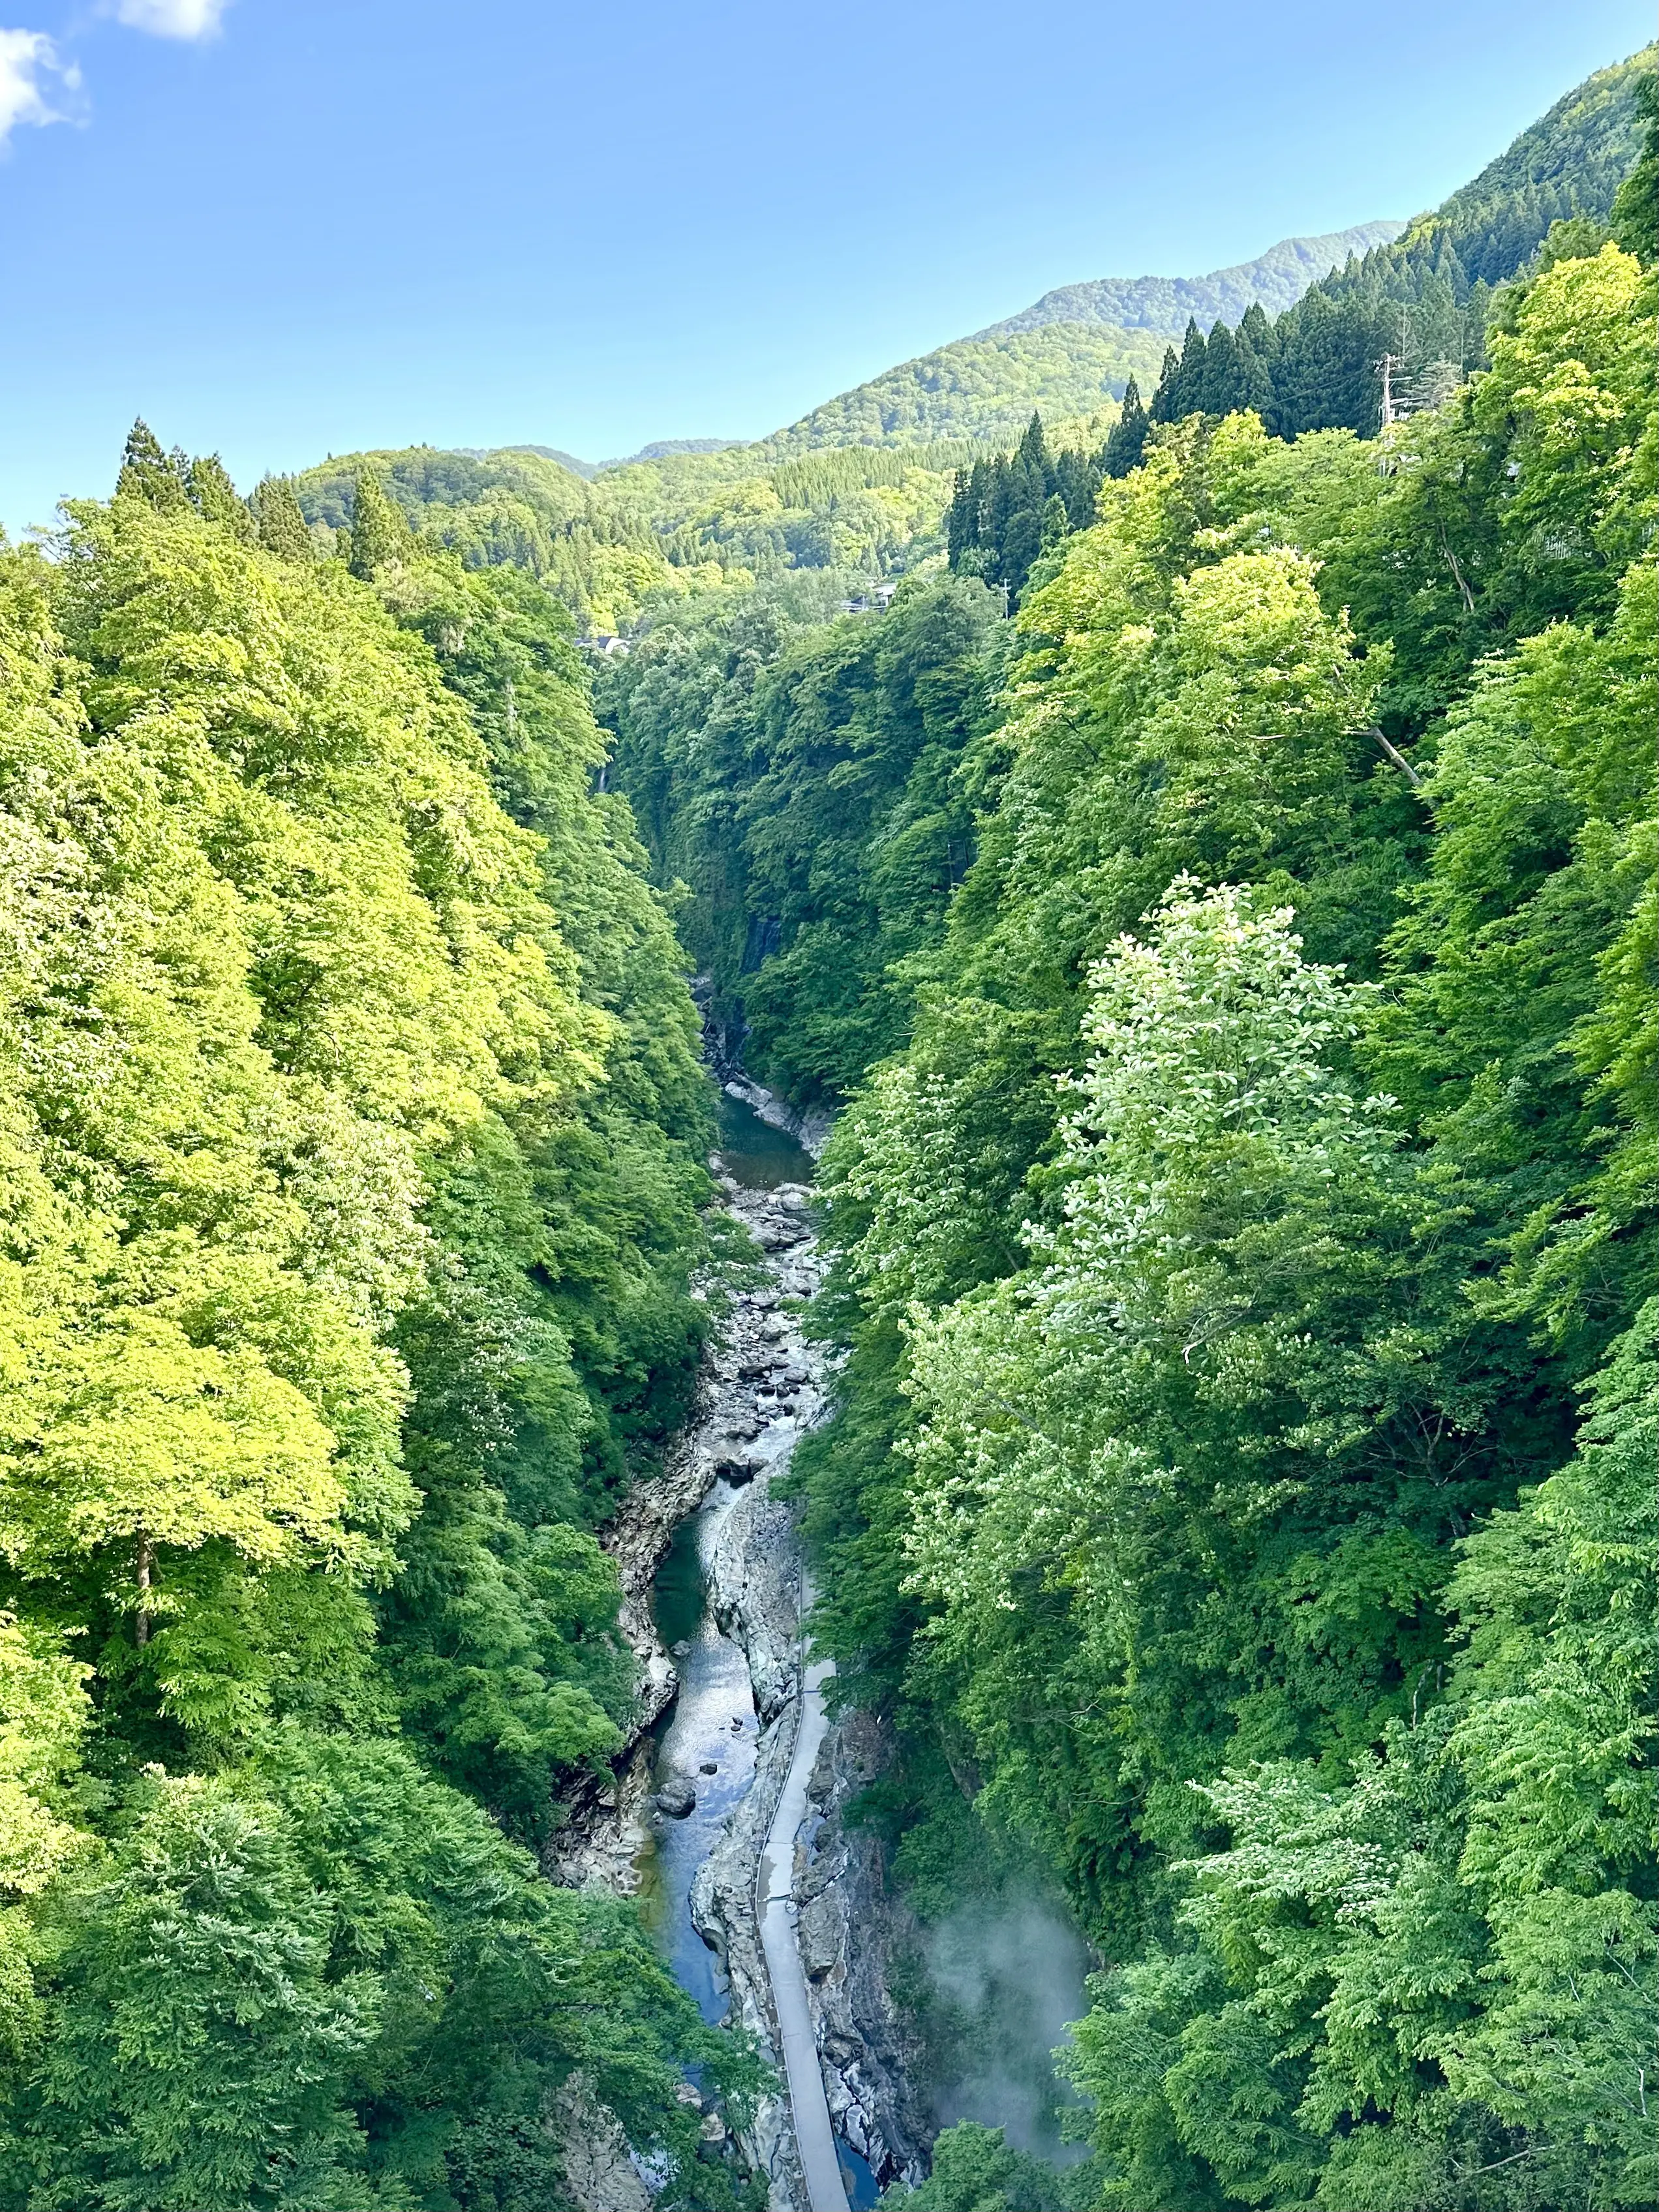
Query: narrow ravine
column 726, row 1817
column 711, row 1818
column 734, row 1762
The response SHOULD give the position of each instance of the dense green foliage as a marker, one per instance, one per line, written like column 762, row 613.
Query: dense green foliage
column 352, row 1125
column 800, row 782
column 644, row 530
column 1008, row 509
column 983, row 387
column 512, row 508
column 1236, row 974
column 1244, row 1258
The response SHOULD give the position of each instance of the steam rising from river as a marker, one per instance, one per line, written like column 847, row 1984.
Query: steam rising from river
column 1012, row 1980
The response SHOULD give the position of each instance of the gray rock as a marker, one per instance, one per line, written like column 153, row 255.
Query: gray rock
column 677, row 1799
column 821, row 1933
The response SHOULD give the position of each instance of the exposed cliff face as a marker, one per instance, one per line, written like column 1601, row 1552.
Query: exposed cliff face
column 853, row 1932
column 605, row 1826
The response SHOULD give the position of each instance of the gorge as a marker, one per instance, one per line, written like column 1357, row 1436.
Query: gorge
column 828, row 1278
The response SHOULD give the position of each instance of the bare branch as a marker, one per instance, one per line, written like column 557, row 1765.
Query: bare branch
column 1451, row 563
column 1394, row 754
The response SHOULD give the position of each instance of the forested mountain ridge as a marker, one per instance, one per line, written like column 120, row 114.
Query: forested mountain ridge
column 685, row 519
column 1274, row 280
column 693, row 512
column 1571, row 162
column 1236, row 976
column 1424, row 301
column 515, row 508
column 353, row 1136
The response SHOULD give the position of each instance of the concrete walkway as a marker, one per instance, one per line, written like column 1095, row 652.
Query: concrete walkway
column 814, row 2138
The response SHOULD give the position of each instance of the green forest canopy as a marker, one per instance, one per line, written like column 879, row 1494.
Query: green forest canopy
column 1236, row 976
column 354, row 1133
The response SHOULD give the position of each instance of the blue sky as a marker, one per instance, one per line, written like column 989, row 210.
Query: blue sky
column 282, row 227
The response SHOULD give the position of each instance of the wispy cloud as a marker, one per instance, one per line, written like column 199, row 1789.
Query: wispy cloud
column 33, row 82
column 171, row 19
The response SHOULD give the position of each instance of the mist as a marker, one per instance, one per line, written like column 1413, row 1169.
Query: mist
column 1009, row 1980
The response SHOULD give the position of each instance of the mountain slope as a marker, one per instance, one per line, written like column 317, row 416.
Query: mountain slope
column 1424, row 301
column 1275, row 280
column 1571, row 162
column 982, row 387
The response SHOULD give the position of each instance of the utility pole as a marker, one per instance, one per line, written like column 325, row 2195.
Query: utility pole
column 1394, row 410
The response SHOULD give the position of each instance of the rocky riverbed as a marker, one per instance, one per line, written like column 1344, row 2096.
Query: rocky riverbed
column 763, row 1385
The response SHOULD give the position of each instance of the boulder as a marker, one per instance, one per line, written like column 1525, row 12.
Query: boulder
column 819, row 1934
column 677, row 1799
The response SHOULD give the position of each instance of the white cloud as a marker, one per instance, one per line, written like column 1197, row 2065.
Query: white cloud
column 31, row 79
column 171, row 19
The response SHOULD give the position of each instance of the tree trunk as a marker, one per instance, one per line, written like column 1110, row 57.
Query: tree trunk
column 146, row 1565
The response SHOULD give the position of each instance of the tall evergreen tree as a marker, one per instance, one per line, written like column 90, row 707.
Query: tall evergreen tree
column 1221, row 389
column 279, row 521
column 1180, row 393
column 149, row 474
column 215, row 498
column 1635, row 223
column 1127, row 440
column 379, row 531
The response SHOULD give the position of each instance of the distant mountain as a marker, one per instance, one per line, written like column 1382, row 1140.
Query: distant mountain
column 816, row 495
column 667, row 449
column 1276, row 279
column 1071, row 353
column 1424, row 299
column 982, row 387
column 585, row 469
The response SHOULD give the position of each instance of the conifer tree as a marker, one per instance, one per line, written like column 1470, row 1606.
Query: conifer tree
column 149, row 474
column 1127, row 440
column 379, row 531
column 280, row 520
column 1222, row 390
column 216, row 499
column 1033, row 453
column 1635, row 223
column 1180, row 388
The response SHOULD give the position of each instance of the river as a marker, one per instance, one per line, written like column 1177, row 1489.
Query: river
column 767, row 1909
column 736, row 1554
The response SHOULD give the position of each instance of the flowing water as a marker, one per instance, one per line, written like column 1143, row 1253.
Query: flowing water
column 711, row 1724
column 757, row 1155
column 708, row 1741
